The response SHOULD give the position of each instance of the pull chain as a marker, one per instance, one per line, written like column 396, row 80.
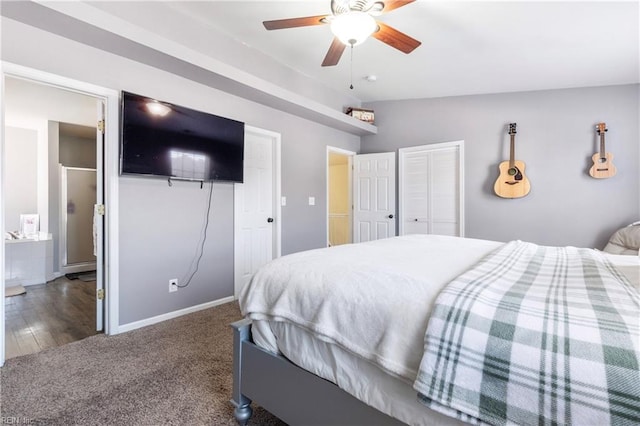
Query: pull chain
column 351, row 85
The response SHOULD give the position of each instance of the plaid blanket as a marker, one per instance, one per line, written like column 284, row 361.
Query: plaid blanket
column 535, row 335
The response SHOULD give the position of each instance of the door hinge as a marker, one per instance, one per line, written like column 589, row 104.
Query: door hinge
column 100, row 209
column 101, row 126
column 100, row 294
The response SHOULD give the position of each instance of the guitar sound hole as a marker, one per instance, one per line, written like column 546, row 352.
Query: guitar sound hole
column 602, row 160
column 512, row 171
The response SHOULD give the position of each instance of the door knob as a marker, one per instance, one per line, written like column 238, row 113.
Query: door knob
column 270, row 220
column 390, row 216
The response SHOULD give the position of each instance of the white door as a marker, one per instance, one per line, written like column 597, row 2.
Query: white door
column 431, row 197
column 374, row 196
column 256, row 213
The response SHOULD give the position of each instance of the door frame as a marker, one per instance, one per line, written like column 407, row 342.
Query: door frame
column 349, row 154
column 277, row 205
column 110, row 171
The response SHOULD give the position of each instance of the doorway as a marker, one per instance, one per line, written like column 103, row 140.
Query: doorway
column 48, row 305
column 361, row 196
column 24, row 93
column 339, row 196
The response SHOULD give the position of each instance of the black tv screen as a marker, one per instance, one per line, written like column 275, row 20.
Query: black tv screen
column 162, row 139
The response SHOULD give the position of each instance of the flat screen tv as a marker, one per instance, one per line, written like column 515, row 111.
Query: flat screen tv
column 171, row 141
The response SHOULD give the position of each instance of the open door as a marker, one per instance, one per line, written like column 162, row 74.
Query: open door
column 98, row 217
column 374, row 196
column 257, row 214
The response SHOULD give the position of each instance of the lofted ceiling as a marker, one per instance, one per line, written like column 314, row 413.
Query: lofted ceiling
column 468, row 47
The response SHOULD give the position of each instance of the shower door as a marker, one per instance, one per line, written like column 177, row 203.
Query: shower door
column 77, row 231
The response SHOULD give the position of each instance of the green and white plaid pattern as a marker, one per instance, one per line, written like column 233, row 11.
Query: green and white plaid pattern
column 535, row 335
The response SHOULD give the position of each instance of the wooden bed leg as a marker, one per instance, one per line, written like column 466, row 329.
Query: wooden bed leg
column 242, row 404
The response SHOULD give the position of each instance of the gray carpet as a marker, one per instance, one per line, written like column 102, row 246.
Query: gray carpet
column 174, row 373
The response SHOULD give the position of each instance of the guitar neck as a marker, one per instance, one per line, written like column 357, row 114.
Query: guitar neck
column 512, row 149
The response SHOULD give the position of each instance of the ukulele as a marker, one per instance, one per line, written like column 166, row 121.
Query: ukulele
column 602, row 165
column 512, row 183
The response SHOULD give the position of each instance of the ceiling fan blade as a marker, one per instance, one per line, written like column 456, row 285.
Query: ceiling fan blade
column 335, row 52
column 395, row 38
column 306, row 21
column 390, row 5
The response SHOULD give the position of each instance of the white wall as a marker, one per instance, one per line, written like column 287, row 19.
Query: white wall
column 21, row 165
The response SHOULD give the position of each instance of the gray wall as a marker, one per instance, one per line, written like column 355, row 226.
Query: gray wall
column 77, row 151
column 555, row 138
column 159, row 226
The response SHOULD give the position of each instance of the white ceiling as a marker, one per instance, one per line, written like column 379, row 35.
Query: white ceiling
column 469, row 47
column 26, row 101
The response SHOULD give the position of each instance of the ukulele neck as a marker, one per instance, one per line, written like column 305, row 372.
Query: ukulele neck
column 602, row 128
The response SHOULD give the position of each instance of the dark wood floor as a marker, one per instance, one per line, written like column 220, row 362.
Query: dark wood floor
column 48, row 315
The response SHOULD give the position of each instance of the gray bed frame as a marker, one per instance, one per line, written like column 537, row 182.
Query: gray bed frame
column 294, row 395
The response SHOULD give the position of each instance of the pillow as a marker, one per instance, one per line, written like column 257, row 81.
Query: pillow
column 625, row 240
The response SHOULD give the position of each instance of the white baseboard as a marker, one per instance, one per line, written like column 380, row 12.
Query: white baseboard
column 169, row 315
column 23, row 282
column 80, row 267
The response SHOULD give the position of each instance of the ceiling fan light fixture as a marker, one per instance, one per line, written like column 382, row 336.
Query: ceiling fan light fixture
column 353, row 28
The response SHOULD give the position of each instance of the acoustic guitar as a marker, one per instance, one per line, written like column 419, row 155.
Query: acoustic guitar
column 602, row 161
column 512, row 183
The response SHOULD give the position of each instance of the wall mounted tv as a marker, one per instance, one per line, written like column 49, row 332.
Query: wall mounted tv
column 171, row 141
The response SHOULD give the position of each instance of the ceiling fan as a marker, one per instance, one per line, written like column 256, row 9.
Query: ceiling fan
column 352, row 22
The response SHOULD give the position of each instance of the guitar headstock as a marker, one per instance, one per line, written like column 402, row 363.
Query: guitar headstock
column 512, row 128
column 601, row 127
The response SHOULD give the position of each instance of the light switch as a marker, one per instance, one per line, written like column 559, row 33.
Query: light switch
column 283, row 201
column 312, row 201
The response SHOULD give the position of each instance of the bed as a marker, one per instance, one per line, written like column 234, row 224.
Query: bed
column 435, row 330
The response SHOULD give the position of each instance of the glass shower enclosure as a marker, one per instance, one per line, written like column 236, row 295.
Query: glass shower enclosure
column 77, row 231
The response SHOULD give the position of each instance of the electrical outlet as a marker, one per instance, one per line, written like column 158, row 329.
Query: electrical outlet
column 173, row 285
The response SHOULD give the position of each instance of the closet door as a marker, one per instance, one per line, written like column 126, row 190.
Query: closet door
column 430, row 187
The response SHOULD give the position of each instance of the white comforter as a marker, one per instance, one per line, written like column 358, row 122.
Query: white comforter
column 373, row 299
